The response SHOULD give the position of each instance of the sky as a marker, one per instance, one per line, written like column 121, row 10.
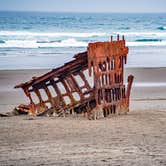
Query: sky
column 135, row 6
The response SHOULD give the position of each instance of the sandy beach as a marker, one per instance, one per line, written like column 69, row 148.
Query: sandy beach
column 138, row 138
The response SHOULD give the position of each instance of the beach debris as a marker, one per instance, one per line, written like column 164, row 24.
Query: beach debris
column 4, row 115
column 21, row 109
column 91, row 84
column 9, row 114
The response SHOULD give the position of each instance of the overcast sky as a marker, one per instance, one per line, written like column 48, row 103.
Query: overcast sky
column 85, row 5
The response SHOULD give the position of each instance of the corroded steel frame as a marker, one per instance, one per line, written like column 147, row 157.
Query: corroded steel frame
column 107, row 60
column 106, row 94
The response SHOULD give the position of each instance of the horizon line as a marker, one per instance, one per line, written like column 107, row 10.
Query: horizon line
column 97, row 12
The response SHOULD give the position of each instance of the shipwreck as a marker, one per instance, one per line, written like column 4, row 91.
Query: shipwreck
column 92, row 84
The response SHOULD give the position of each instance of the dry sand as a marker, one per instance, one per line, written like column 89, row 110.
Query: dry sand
column 138, row 138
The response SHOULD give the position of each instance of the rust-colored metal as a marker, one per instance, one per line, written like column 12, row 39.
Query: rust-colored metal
column 68, row 89
column 107, row 60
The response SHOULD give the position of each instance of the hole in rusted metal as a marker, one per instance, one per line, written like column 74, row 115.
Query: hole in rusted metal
column 76, row 96
column 67, row 100
column 43, row 94
column 79, row 80
column 52, row 91
column 89, row 79
column 34, row 98
column 61, row 87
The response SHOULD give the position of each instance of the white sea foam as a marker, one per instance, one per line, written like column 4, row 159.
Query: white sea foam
column 65, row 43
column 50, row 34
column 19, row 44
column 156, row 43
column 150, row 34
column 71, row 42
column 34, row 44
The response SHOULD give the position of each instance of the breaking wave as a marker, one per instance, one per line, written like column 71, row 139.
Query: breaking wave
column 140, row 34
column 148, row 40
column 162, row 28
column 26, row 39
column 71, row 42
column 147, row 43
column 1, row 41
column 44, row 44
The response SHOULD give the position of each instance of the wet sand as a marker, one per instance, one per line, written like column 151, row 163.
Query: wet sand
column 138, row 138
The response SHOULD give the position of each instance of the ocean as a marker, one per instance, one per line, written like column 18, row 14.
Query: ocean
column 35, row 40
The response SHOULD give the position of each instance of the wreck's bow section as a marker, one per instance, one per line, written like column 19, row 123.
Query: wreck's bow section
column 92, row 83
column 64, row 89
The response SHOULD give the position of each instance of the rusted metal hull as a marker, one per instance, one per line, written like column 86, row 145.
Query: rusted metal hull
column 91, row 84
